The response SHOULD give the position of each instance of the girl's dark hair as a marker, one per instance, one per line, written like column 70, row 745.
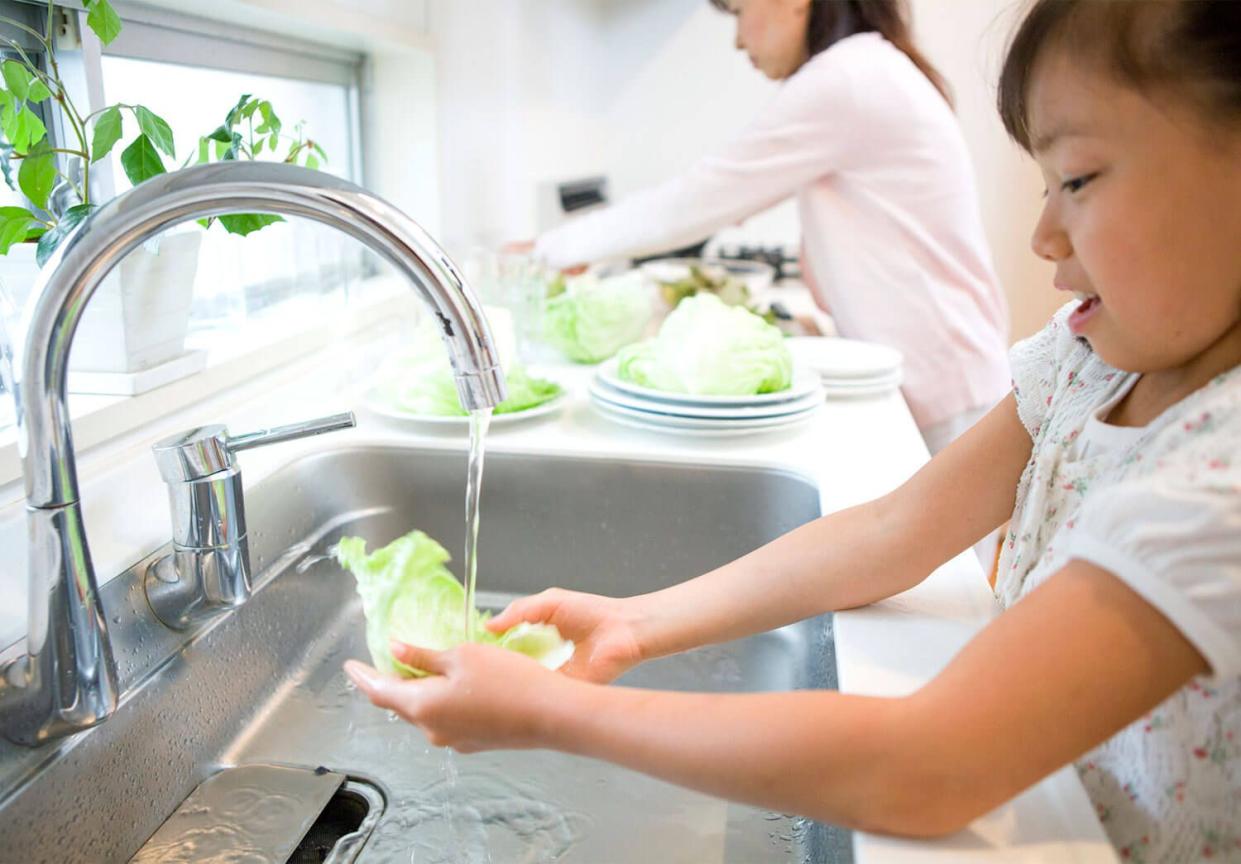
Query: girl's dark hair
column 1192, row 47
column 833, row 20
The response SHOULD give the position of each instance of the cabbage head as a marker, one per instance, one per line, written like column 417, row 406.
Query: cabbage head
column 408, row 594
column 706, row 347
column 593, row 318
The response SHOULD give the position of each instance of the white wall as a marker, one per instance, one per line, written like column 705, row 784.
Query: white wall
column 533, row 91
column 966, row 40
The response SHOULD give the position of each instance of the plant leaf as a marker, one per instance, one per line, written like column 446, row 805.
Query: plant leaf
column 38, row 91
column 234, row 113
column 221, row 133
column 23, row 128
column 312, row 161
column 108, row 130
column 271, row 123
column 37, row 174
column 6, row 163
column 15, row 225
column 141, row 160
column 17, row 78
column 53, row 238
column 248, row 223
column 102, row 18
column 154, row 127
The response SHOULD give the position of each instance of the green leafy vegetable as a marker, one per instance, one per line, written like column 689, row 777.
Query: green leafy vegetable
column 589, row 319
column 433, row 391
column 420, row 381
column 409, row 595
column 707, row 347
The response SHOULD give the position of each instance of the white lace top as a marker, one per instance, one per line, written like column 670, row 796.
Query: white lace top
column 1160, row 508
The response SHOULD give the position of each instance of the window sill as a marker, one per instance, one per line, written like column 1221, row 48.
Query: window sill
column 234, row 358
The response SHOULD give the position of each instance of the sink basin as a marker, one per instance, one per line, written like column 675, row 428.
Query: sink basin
column 263, row 684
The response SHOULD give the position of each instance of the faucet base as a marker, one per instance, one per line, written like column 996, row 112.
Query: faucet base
column 191, row 585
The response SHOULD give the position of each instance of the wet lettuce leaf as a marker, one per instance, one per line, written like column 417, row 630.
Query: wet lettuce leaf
column 589, row 319
column 409, row 594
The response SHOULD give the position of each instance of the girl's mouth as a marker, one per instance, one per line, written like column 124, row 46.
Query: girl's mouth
column 1086, row 310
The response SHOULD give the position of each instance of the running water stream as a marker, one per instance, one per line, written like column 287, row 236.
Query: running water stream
column 480, row 420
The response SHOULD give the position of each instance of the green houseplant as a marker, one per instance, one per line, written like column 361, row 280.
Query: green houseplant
column 56, row 180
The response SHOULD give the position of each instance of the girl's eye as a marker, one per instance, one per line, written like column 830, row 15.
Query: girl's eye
column 1076, row 184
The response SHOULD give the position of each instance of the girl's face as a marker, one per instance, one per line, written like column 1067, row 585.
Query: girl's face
column 1143, row 220
column 773, row 34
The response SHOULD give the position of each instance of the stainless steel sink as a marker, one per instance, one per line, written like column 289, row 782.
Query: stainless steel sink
column 263, row 684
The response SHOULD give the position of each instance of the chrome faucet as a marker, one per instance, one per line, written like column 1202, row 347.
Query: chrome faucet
column 67, row 680
column 208, row 570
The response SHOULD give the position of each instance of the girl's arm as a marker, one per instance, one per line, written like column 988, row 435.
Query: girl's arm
column 846, row 559
column 1074, row 662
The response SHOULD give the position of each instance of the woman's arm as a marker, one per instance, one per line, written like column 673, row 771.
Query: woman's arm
column 1074, row 662
column 852, row 557
column 801, row 136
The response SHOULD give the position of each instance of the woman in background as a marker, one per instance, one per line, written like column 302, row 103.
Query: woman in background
column 862, row 133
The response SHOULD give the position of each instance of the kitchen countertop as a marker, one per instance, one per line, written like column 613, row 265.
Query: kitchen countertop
column 854, row 450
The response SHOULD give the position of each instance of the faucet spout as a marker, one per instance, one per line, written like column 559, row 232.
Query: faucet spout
column 67, row 681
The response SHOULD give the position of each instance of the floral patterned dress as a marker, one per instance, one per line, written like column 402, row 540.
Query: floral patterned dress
column 1160, row 508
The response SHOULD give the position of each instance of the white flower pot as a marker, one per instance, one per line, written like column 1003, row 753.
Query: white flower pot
column 140, row 315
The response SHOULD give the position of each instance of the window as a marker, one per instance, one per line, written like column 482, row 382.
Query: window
column 191, row 71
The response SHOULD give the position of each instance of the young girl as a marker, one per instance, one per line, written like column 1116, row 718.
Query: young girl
column 862, row 134
column 1120, row 645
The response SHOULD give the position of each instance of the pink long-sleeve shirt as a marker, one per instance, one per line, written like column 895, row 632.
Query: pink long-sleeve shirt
column 892, row 236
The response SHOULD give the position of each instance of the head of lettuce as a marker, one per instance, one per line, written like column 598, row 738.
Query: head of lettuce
column 410, row 596
column 706, row 347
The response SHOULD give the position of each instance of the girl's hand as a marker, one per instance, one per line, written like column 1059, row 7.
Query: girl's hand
column 604, row 629
column 476, row 697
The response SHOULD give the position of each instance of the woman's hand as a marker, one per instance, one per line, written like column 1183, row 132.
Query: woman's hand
column 603, row 629
column 476, row 697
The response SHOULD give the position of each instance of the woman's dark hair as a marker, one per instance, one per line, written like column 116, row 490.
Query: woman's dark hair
column 1192, row 47
column 833, row 20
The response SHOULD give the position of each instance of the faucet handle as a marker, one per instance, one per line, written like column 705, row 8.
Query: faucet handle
column 206, row 450
column 291, row 432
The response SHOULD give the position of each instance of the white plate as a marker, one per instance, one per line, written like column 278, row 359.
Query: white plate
column 856, row 392
column 606, row 393
column 377, row 406
column 833, row 357
column 675, row 421
column 893, row 379
column 719, row 430
column 804, row 383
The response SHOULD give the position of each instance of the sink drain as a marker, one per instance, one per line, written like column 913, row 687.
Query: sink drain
column 270, row 813
column 338, row 834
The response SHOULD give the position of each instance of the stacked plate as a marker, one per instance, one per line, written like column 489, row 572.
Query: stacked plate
column 848, row 367
column 714, row 416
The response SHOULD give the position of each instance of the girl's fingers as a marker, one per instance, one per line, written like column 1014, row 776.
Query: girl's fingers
column 419, row 658
column 368, row 681
column 532, row 609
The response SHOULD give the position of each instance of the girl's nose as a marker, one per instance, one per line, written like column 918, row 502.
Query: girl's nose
column 1049, row 241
